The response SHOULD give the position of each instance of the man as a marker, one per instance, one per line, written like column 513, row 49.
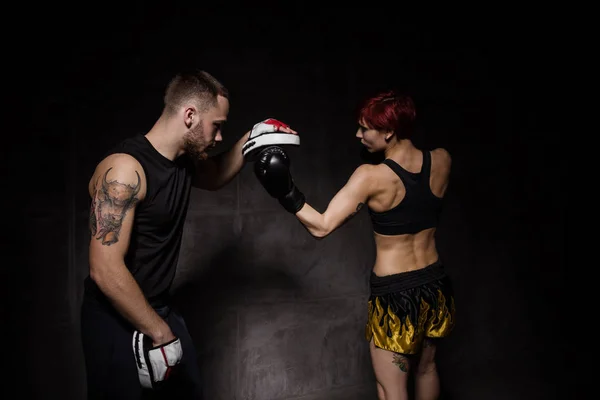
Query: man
column 411, row 306
column 134, row 343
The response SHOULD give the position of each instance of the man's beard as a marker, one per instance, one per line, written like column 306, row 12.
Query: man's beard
column 195, row 144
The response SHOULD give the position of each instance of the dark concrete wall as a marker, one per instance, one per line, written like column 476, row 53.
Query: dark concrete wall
column 276, row 314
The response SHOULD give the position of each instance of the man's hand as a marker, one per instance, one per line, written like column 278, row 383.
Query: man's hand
column 162, row 335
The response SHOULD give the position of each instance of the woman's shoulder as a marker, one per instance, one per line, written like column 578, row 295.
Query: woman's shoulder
column 441, row 157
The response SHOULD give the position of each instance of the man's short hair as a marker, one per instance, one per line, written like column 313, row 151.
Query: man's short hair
column 198, row 87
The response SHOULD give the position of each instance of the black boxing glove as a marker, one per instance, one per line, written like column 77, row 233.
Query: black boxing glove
column 272, row 168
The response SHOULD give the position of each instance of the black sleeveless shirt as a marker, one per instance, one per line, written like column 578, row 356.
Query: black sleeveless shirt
column 158, row 221
column 418, row 210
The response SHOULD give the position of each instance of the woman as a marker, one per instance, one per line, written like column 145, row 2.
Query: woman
column 411, row 302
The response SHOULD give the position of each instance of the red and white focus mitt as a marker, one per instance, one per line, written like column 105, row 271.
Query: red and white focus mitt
column 155, row 364
column 269, row 132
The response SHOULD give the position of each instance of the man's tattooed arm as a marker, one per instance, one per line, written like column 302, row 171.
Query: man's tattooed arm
column 118, row 185
column 110, row 203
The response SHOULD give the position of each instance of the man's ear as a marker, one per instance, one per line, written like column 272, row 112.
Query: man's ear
column 189, row 115
column 388, row 135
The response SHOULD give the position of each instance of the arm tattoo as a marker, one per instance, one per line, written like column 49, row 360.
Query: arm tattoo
column 401, row 362
column 93, row 220
column 110, row 204
column 358, row 207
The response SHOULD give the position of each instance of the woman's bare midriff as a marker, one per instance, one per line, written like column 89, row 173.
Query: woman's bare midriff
column 402, row 253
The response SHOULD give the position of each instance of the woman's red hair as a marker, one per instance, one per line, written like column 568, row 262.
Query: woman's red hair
column 389, row 111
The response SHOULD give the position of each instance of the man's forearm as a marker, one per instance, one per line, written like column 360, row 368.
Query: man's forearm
column 122, row 290
column 230, row 163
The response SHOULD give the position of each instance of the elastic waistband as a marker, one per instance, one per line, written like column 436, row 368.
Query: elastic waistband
column 381, row 285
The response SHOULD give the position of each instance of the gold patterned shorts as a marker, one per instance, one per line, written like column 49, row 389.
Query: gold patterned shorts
column 407, row 307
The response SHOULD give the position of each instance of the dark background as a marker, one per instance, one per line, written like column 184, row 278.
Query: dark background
column 276, row 314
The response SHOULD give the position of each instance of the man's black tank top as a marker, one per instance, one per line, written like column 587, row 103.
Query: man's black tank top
column 418, row 210
column 158, row 221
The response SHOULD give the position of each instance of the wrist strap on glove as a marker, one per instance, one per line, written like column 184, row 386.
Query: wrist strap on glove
column 293, row 201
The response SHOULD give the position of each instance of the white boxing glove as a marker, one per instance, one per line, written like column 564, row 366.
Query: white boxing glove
column 155, row 364
column 268, row 133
